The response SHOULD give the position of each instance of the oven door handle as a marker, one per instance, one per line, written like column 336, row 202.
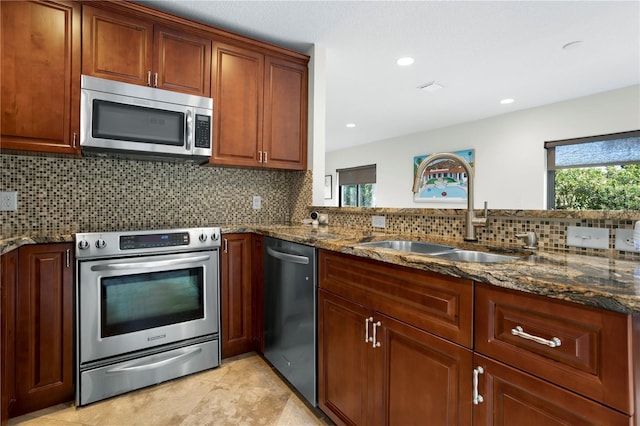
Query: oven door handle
column 149, row 264
column 156, row 364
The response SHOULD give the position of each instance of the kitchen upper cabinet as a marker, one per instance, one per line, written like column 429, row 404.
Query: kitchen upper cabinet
column 284, row 133
column 37, row 326
column 137, row 50
column 379, row 361
column 260, row 109
column 237, row 93
column 40, row 74
column 236, row 292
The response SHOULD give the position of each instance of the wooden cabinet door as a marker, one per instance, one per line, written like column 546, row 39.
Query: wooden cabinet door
column 181, row 61
column 40, row 74
column 236, row 295
column 511, row 397
column 116, row 46
column 8, row 285
column 237, row 93
column 44, row 327
column 420, row 378
column 284, row 135
column 344, row 360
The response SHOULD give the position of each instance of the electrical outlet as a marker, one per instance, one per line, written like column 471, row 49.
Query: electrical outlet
column 584, row 236
column 624, row 240
column 378, row 221
column 8, row 201
column 257, row 202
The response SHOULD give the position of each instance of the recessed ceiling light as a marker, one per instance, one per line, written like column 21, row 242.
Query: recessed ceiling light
column 403, row 62
column 351, row 125
column 431, row 87
column 572, row 45
column 507, row 101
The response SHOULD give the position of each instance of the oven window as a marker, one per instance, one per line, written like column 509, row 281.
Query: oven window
column 112, row 120
column 142, row 301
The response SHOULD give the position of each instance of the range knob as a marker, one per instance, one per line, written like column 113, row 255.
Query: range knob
column 100, row 243
column 83, row 244
column 203, row 237
column 215, row 236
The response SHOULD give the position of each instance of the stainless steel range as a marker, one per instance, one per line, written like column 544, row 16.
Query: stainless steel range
column 147, row 308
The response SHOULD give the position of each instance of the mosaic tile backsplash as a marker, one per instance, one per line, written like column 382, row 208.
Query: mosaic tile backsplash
column 65, row 195
column 549, row 226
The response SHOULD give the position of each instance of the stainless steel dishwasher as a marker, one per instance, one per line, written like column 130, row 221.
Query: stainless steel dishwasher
column 290, row 312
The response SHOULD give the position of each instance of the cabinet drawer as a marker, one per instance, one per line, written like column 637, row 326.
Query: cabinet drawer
column 433, row 302
column 584, row 349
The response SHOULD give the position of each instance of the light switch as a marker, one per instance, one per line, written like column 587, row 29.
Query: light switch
column 624, row 240
column 583, row 236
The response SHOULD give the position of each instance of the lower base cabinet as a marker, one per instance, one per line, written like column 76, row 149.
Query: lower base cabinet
column 376, row 370
column 510, row 396
column 37, row 328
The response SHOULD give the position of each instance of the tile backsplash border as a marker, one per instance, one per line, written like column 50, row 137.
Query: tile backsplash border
column 550, row 226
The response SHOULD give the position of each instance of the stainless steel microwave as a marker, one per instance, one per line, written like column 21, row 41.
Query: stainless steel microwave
column 125, row 120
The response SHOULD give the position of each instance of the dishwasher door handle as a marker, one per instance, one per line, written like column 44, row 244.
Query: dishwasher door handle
column 294, row 258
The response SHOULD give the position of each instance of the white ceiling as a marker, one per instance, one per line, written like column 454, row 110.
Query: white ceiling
column 480, row 51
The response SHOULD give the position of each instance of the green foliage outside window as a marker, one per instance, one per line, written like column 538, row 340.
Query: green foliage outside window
column 598, row 188
column 358, row 195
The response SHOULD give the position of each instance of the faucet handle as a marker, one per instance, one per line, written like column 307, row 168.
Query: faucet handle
column 530, row 240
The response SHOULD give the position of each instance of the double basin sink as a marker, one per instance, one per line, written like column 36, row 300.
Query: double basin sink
column 440, row 251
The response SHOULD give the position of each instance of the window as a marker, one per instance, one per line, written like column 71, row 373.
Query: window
column 357, row 186
column 594, row 173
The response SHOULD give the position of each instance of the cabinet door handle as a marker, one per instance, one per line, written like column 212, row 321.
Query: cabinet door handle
column 477, row 398
column 266, row 157
column 149, row 78
column 367, row 339
column 374, row 340
column 553, row 343
column 75, row 136
column 259, row 156
column 68, row 258
column 225, row 245
column 155, row 79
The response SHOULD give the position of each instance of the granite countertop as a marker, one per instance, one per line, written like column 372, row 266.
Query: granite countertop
column 601, row 282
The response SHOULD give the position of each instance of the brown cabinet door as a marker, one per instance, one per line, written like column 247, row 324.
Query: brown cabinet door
column 116, row 46
column 237, row 91
column 420, row 378
column 182, row 61
column 284, row 135
column 344, row 359
column 40, row 76
column 236, row 295
column 511, row 397
column 8, row 285
column 44, row 327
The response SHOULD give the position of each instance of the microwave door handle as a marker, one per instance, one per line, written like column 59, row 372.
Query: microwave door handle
column 150, row 264
column 189, row 130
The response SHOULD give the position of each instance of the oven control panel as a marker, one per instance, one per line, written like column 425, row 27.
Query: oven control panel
column 134, row 243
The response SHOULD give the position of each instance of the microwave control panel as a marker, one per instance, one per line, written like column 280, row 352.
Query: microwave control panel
column 203, row 131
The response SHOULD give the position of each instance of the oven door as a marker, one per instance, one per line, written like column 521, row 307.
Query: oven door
column 136, row 303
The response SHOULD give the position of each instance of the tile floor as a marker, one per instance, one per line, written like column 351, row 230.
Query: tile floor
column 242, row 391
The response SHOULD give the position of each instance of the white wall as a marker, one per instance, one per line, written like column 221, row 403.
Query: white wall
column 509, row 150
column 317, row 119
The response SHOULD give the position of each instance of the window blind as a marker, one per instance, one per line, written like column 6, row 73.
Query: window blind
column 357, row 175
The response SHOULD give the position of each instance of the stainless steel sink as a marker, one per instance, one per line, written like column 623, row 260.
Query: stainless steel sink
column 474, row 256
column 409, row 246
column 439, row 250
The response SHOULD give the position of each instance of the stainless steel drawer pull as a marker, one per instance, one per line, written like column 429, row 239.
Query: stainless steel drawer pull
column 367, row 339
column 374, row 340
column 477, row 398
column 519, row 331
